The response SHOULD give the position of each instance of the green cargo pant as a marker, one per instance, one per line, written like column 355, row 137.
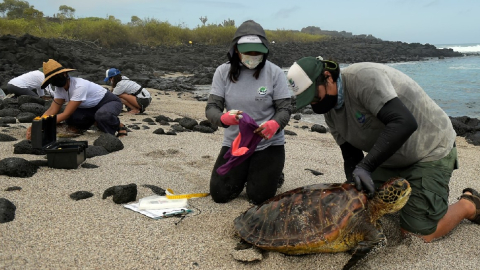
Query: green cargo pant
column 428, row 202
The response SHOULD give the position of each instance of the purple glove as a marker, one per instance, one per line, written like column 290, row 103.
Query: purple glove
column 363, row 181
column 231, row 117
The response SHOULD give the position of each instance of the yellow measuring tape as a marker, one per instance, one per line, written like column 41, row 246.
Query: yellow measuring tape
column 171, row 195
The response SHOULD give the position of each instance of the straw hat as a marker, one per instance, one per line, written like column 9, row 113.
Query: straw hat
column 50, row 69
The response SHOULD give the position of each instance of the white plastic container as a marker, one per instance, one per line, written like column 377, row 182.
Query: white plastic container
column 157, row 202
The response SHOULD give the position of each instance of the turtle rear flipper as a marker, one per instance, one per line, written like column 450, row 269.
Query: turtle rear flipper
column 372, row 240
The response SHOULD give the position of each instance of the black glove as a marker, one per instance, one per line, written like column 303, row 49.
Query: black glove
column 363, row 181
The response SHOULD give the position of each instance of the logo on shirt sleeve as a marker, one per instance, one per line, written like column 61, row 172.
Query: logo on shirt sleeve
column 360, row 117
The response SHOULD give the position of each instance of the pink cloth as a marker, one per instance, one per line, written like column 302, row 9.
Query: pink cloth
column 243, row 146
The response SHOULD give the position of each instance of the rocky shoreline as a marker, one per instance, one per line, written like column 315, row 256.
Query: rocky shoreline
column 151, row 66
column 147, row 65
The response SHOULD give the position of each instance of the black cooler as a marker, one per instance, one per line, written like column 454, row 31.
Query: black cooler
column 60, row 155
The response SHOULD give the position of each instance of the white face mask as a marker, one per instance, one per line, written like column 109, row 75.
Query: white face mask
column 251, row 61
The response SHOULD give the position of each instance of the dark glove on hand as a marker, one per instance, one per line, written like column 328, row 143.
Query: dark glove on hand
column 363, row 181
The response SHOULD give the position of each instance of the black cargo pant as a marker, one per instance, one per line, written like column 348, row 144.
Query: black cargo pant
column 260, row 172
column 105, row 114
column 18, row 91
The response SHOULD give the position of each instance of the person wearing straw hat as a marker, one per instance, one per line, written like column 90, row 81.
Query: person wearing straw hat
column 88, row 103
column 132, row 95
column 249, row 83
column 374, row 108
column 28, row 84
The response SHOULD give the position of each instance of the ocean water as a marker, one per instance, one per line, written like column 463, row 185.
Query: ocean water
column 463, row 48
column 453, row 83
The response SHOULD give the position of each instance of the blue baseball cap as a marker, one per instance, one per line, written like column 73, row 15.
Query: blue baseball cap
column 110, row 73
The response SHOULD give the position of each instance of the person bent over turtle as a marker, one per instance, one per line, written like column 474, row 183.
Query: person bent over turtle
column 88, row 103
column 374, row 108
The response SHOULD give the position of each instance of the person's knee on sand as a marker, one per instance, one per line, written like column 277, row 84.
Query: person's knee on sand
column 462, row 209
column 223, row 193
column 107, row 122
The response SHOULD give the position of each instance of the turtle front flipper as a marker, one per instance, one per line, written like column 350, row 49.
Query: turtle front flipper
column 372, row 239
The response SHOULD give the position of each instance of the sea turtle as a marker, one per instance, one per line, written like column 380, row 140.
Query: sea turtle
column 322, row 218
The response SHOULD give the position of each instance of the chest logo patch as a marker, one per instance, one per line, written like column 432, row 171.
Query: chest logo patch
column 262, row 91
column 360, row 117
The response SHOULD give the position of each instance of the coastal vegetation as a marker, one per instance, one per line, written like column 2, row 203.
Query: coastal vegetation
column 20, row 18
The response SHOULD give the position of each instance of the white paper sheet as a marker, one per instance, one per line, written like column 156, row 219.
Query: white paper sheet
column 158, row 214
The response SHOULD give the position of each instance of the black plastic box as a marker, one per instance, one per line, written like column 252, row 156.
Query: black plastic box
column 60, row 155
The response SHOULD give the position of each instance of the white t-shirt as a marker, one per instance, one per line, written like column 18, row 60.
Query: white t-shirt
column 129, row 87
column 30, row 80
column 89, row 93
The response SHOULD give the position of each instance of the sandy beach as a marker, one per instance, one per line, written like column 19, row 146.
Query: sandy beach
column 52, row 231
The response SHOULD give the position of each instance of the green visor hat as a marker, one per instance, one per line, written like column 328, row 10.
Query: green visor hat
column 251, row 43
column 302, row 76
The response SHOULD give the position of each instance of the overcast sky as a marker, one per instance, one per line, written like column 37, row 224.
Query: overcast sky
column 423, row 21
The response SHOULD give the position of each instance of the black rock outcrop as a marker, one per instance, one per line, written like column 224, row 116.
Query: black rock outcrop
column 147, row 65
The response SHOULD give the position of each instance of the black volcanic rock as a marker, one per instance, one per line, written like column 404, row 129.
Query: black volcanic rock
column 25, row 147
column 7, row 210
column 34, row 108
column 109, row 142
column 121, row 193
column 188, row 123
column 96, row 150
column 26, row 117
column 81, row 195
column 30, row 99
column 319, row 128
column 17, row 167
column 146, row 64
column 8, row 120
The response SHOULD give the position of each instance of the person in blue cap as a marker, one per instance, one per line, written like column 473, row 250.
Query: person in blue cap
column 249, row 83
column 374, row 108
column 132, row 95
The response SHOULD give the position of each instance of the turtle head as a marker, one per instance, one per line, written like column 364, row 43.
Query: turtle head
column 390, row 197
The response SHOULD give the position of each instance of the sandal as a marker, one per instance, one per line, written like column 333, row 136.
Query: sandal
column 475, row 199
column 122, row 134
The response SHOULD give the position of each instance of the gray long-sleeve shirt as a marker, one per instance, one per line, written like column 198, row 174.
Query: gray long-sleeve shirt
column 263, row 99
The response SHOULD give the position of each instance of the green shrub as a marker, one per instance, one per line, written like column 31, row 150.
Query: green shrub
column 13, row 27
column 213, row 34
column 291, row 36
column 151, row 32
column 106, row 32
